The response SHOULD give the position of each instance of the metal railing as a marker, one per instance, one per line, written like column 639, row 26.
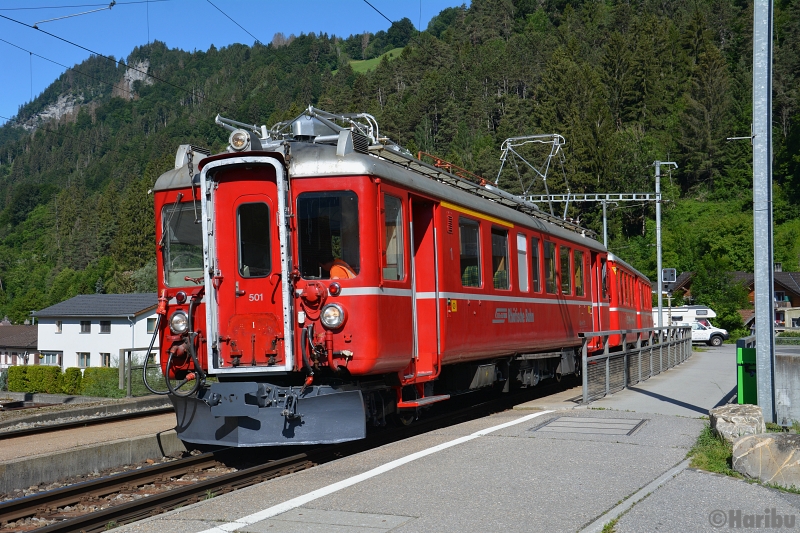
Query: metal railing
column 650, row 354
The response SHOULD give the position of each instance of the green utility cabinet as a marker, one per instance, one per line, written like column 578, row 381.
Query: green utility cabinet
column 747, row 386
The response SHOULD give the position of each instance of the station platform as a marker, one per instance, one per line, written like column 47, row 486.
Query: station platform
column 549, row 465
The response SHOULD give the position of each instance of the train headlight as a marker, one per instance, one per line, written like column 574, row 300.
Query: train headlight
column 239, row 140
column 179, row 323
column 332, row 316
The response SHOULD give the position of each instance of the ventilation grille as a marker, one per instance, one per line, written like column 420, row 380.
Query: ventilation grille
column 360, row 143
column 449, row 223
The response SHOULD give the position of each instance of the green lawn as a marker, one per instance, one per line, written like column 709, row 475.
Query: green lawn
column 372, row 64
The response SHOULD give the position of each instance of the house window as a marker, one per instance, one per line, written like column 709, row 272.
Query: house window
column 49, row 358
column 86, row 326
column 151, row 325
column 500, row 259
column 470, row 253
column 105, row 359
column 58, row 326
column 83, row 359
column 105, row 326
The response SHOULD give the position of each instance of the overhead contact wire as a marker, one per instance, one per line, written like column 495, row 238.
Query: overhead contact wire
column 116, row 61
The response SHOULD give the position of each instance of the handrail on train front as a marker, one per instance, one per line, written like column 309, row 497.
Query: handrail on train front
column 647, row 340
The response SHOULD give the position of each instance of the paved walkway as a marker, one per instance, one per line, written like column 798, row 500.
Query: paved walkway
column 530, row 469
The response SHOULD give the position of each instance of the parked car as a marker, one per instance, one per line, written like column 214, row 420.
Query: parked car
column 707, row 334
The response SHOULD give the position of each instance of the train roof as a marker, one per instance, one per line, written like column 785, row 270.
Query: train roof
column 614, row 258
column 315, row 160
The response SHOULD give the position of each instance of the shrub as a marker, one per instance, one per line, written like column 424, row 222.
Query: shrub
column 71, row 381
column 43, row 379
column 18, row 379
column 3, row 379
column 101, row 382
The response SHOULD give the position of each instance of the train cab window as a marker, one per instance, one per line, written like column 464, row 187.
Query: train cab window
column 578, row 273
column 327, row 234
column 393, row 257
column 536, row 266
column 253, row 222
column 470, row 252
column 566, row 278
column 522, row 262
column 550, row 267
column 500, row 259
column 182, row 249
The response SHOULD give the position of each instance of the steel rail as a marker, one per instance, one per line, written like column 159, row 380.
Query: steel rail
column 180, row 496
column 36, row 430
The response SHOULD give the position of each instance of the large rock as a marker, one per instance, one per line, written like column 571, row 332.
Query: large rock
column 733, row 421
column 770, row 457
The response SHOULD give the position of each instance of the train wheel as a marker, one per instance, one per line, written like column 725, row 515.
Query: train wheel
column 558, row 377
column 405, row 417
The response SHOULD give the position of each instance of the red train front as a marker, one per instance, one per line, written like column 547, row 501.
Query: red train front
column 317, row 278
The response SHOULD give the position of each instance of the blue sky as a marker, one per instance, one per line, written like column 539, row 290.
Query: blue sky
column 185, row 24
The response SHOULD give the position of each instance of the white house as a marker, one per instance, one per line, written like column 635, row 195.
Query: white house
column 94, row 329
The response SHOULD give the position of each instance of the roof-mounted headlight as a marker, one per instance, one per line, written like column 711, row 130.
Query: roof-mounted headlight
column 239, row 140
column 332, row 316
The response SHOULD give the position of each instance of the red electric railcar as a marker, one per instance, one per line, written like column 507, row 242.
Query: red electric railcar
column 328, row 279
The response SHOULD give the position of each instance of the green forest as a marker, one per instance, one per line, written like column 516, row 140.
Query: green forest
column 624, row 82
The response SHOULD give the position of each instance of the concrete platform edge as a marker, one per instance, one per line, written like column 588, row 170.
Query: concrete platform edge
column 113, row 407
column 47, row 468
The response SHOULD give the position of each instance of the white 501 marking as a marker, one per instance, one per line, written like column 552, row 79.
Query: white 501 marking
column 256, row 297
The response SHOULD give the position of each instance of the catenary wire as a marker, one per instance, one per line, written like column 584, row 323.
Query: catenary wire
column 242, row 27
column 79, row 5
column 66, row 67
column 187, row 91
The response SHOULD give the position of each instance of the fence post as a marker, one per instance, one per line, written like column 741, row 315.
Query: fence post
column 129, row 371
column 121, row 368
column 585, row 372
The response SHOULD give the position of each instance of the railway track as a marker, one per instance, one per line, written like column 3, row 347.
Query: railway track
column 83, row 422
column 81, row 507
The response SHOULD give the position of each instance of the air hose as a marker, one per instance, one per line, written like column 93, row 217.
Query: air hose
column 147, row 357
column 199, row 376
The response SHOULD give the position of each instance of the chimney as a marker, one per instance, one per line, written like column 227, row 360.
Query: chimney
column 778, row 267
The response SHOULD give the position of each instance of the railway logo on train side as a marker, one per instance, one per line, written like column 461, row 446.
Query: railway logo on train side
column 512, row 315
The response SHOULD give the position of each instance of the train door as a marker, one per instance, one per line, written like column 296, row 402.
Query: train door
column 424, row 287
column 247, row 285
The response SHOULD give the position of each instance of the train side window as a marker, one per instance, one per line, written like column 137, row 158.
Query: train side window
column 604, row 278
column 566, row 275
column 522, row 262
column 470, row 253
column 393, row 254
column 578, row 273
column 500, row 259
column 327, row 234
column 550, row 267
column 536, row 266
column 254, row 227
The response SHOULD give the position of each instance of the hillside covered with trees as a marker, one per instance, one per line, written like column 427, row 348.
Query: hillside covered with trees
column 625, row 82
